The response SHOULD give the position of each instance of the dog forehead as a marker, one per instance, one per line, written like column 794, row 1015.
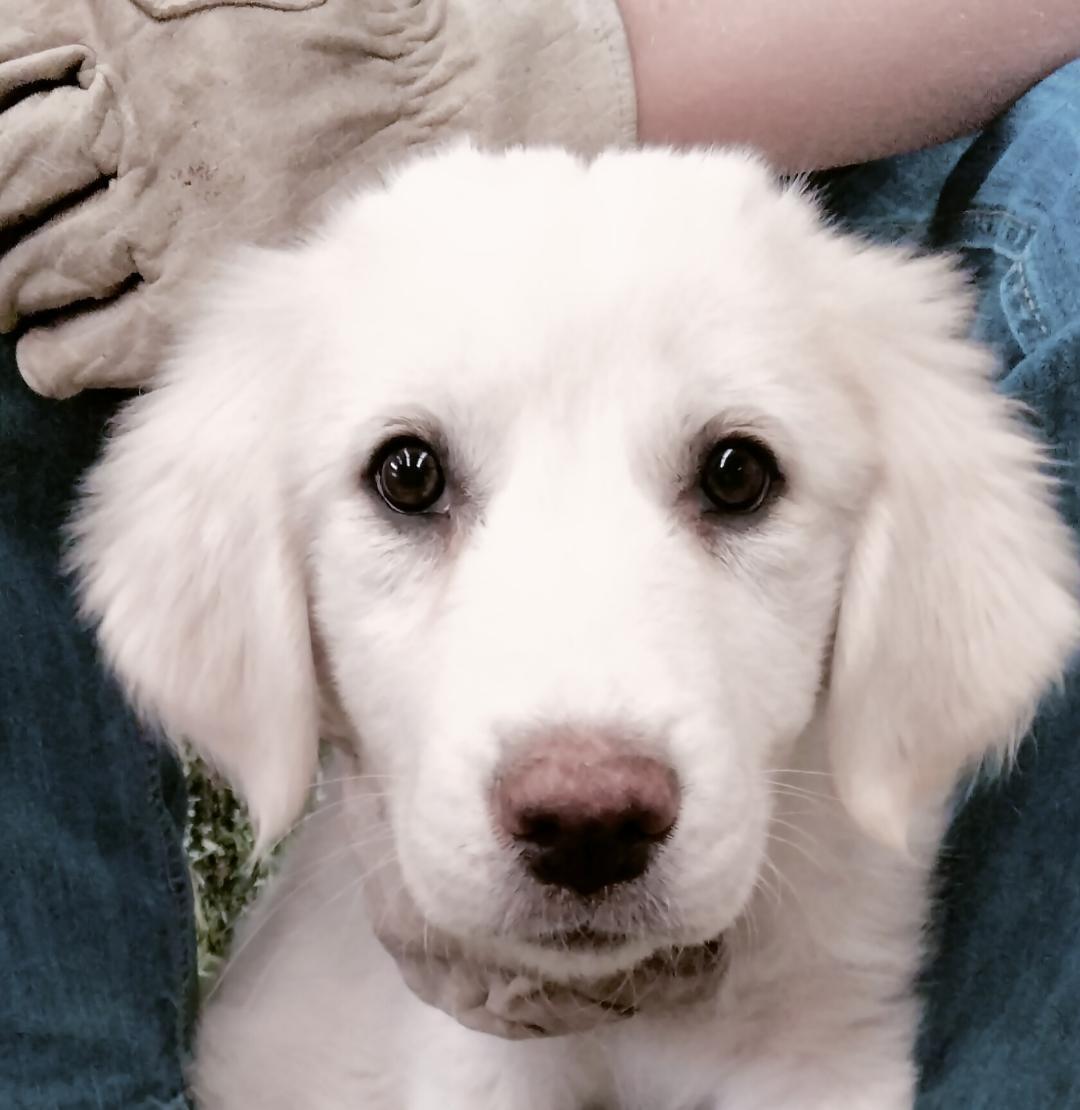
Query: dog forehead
column 539, row 270
column 653, row 380
column 540, row 243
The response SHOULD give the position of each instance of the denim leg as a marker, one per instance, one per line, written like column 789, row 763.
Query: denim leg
column 96, row 936
column 1002, row 1029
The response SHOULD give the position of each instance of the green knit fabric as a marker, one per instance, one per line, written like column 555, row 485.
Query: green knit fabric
column 224, row 874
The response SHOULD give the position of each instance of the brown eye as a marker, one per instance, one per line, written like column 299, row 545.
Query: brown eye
column 738, row 475
column 408, row 475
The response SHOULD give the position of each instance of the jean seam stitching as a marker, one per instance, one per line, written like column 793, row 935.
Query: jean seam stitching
column 1004, row 215
column 176, row 949
column 1018, row 269
column 1033, row 308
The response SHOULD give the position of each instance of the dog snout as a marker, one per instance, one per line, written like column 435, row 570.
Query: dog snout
column 584, row 812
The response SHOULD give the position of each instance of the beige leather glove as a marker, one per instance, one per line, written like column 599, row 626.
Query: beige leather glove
column 140, row 137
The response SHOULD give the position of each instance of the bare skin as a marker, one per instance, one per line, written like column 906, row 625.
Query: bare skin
column 819, row 83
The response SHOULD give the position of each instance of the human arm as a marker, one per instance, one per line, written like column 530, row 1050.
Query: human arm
column 834, row 82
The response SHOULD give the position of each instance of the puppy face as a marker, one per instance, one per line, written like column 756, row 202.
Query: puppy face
column 573, row 573
column 598, row 487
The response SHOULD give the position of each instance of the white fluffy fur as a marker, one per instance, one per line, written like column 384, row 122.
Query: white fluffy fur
column 820, row 677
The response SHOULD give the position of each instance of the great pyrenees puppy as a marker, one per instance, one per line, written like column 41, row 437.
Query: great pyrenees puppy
column 656, row 562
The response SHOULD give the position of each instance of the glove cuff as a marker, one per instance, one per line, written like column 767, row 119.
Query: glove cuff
column 553, row 72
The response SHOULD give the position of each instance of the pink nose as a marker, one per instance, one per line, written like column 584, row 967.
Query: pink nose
column 585, row 812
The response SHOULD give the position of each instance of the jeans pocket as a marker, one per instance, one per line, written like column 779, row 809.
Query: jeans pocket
column 173, row 9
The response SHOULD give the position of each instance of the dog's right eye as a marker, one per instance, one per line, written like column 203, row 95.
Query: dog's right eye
column 738, row 475
column 408, row 475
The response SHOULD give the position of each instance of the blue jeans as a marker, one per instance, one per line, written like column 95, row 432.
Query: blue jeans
column 96, row 949
column 1002, row 1029
column 96, row 941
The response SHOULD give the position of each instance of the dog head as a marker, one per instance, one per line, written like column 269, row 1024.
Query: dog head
column 587, row 491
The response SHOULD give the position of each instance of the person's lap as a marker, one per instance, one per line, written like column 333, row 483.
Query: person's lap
column 96, row 939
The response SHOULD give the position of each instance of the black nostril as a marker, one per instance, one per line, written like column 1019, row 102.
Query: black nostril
column 631, row 831
column 539, row 829
column 587, row 855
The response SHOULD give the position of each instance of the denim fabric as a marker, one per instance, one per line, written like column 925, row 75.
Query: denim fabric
column 96, row 960
column 1002, row 1029
column 96, row 935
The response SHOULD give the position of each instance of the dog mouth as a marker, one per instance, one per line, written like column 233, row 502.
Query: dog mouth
column 688, row 961
column 583, row 939
column 668, row 978
column 669, row 961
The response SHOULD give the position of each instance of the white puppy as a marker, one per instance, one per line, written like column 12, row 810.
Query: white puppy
column 658, row 559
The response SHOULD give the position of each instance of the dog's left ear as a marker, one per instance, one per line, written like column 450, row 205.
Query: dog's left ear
column 959, row 607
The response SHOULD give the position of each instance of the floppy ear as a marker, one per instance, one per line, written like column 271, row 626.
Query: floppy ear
column 959, row 606
column 188, row 559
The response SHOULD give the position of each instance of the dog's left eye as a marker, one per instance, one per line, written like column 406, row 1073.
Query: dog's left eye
column 408, row 475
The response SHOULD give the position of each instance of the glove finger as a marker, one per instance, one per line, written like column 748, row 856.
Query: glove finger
column 21, row 74
column 114, row 345
column 82, row 254
column 55, row 143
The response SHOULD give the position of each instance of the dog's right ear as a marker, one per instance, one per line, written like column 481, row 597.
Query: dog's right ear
column 959, row 607
column 187, row 556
